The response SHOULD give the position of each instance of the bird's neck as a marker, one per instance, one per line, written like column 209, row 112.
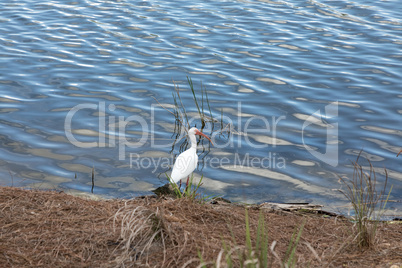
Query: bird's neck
column 193, row 142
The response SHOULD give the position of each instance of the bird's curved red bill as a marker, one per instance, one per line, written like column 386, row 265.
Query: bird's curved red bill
column 202, row 134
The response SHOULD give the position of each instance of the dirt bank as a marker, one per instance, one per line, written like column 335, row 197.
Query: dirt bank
column 54, row 229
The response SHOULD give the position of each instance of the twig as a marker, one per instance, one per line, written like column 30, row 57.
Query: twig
column 312, row 250
column 93, row 180
column 12, row 178
column 162, row 106
column 272, row 248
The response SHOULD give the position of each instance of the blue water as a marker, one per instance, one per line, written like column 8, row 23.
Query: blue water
column 304, row 85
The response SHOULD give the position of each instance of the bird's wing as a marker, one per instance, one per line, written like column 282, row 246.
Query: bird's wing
column 184, row 165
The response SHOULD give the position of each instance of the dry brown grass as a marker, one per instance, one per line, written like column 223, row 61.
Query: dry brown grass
column 51, row 229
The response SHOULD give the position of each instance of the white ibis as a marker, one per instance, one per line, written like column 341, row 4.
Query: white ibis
column 187, row 161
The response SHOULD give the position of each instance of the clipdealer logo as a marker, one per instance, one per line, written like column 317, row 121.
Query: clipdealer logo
column 330, row 156
column 112, row 132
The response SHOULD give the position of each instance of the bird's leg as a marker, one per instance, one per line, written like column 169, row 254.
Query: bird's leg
column 188, row 178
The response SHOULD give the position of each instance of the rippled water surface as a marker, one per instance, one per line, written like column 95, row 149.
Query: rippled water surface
column 305, row 86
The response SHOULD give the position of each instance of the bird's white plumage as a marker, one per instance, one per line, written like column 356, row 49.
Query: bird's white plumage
column 185, row 164
column 187, row 161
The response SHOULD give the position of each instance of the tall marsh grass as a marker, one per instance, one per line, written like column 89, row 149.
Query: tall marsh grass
column 202, row 105
column 187, row 116
column 367, row 201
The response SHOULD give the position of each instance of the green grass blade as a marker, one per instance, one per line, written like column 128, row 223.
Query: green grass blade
column 201, row 260
column 176, row 189
column 202, row 101
column 290, row 258
column 209, row 107
column 190, row 82
column 181, row 107
column 248, row 235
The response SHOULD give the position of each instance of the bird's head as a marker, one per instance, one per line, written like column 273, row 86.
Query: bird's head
column 195, row 131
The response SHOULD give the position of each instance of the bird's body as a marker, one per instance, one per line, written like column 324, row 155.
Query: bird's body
column 187, row 161
column 184, row 165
